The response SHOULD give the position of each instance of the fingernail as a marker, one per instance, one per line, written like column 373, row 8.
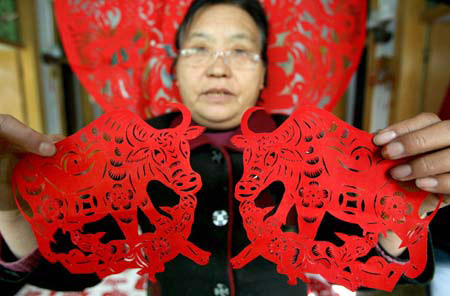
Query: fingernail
column 47, row 149
column 393, row 150
column 426, row 182
column 384, row 137
column 401, row 171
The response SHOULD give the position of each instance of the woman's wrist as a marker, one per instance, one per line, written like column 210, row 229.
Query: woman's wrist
column 10, row 216
column 391, row 244
column 17, row 233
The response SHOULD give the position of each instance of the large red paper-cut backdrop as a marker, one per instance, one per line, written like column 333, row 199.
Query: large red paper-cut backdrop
column 122, row 51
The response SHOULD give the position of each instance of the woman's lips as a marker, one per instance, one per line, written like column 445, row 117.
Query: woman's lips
column 219, row 95
column 217, row 98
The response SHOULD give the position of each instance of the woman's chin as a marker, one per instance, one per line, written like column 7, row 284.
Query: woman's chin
column 216, row 120
column 218, row 113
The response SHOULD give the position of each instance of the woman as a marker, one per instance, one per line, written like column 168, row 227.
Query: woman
column 220, row 72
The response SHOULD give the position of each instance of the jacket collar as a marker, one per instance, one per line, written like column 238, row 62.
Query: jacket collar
column 259, row 122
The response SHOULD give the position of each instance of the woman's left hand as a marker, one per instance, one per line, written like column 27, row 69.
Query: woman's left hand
column 426, row 139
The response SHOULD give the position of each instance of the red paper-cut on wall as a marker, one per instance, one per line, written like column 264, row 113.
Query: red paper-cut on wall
column 122, row 51
column 97, row 181
column 328, row 168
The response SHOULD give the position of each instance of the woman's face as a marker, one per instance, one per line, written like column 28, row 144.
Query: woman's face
column 217, row 94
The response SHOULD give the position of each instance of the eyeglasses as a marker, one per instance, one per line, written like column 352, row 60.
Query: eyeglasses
column 236, row 58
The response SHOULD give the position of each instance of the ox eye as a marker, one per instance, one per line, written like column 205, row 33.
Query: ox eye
column 270, row 159
column 158, row 156
column 184, row 147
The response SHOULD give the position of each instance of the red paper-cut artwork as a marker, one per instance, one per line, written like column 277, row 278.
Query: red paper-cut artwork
column 122, row 51
column 100, row 174
column 329, row 168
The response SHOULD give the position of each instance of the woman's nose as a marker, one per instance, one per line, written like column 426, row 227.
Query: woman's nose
column 219, row 67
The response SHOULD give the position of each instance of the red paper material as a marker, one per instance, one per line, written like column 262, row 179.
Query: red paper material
column 327, row 167
column 102, row 171
column 122, row 50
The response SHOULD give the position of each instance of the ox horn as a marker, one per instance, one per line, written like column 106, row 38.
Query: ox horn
column 244, row 122
column 186, row 114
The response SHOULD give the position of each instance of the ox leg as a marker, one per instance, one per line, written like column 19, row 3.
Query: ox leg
column 43, row 241
column 128, row 224
column 244, row 257
column 285, row 206
column 292, row 275
column 417, row 260
column 307, row 228
column 196, row 254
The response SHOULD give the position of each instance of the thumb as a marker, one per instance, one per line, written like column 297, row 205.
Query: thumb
column 56, row 137
column 17, row 137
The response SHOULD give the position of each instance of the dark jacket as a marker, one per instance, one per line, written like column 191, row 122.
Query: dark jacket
column 218, row 165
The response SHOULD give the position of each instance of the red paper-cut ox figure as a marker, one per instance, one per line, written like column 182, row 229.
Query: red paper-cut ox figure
column 102, row 172
column 327, row 167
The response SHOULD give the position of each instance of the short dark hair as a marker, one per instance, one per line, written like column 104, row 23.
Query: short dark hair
column 252, row 7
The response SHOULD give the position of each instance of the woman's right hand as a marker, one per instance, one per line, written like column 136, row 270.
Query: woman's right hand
column 17, row 138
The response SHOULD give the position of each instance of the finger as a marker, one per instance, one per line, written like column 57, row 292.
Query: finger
column 430, row 138
column 405, row 127
column 17, row 137
column 439, row 184
column 427, row 165
column 7, row 163
column 56, row 137
column 431, row 202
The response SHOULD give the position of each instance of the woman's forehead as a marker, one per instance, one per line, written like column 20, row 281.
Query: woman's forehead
column 219, row 22
column 207, row 36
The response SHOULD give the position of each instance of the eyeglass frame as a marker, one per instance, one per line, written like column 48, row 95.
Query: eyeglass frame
column 254, row 57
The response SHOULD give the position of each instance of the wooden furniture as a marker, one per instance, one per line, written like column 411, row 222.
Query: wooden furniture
column 421, row 62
